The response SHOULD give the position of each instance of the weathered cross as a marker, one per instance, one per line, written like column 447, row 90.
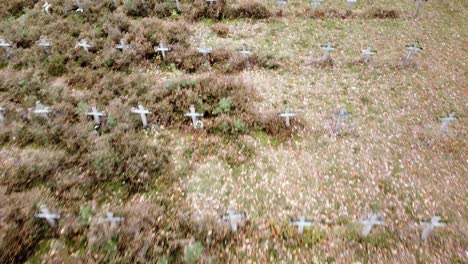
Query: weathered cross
column 47, row 215
column 340, row 119
column 281, row 3
column 350, row 4
column 367, row 53
column 110, row 218
column 45, row 7
column 412, row 49
column 43, row 43
column 79, row 6
column 84, row 44
column 369, row 223
column 429, row 226
column 197, row 124
column 418, row 7
column 234, row 218
column 40, row 109
column 315, row 4
column 445, row 123
column 301, row 223
column 4, row 44
column 2, row 118
column 205, row 51
column 162, row 49
column 211, row 1
column 245, row 52
column 122, row 45
column 327, row 48
column 287, row 115
column 96, row 115
column 142, row 112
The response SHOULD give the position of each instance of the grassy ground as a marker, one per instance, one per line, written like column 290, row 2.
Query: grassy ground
column 172, row 183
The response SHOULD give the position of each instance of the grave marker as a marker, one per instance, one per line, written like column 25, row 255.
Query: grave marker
column 96, row 115
column 341, row 119
column 47, row 215
column 301, row 223
column 315, row 4
column 327, row 48
column 40, row 109
column 367, row 53
column 234, row 218
column 43, row 43
column 429, row 226
column 205, row 51
column 46, row 7
column 412, row 49
column 123, row 46
column 351, row 4
column 369, row 223
column 2, row 117
column 79, row 7
column 211, row 1
column 142, row 112
column 4, row 44
column 245, row 52
column 197, row 124
column 110, row 218
column 83, row 44
column 287, row 115
column 162, row 49
column 418, row 7
column 445, row 123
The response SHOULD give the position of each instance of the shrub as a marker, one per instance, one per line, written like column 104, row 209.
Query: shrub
column 220, row 29
column 251, row 9
column 193, row 252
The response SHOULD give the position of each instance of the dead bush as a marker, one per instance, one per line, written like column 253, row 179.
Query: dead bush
column 380, row 13
column 250, row 9
column 204, row 9
column 220, row 29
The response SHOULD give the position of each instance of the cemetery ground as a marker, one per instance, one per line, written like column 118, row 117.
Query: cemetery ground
column 172, row 183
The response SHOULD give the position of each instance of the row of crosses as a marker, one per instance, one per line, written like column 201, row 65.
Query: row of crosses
column 341, row 116
column 205, row 51
column 235, row 218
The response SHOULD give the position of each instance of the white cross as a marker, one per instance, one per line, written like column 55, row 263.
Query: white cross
column 40, row 109
column 429, row 226
column 301, row 223
column 315, row 4
column 367, row 53
column 46, row 7
column 44, row 43
column 245, row 52
column 369, row 223
column 205, row 51
column 197, row 124
column 2, row 118
column 412, row 49
column 281, row 3
column 444, row 126
column 418, row 7
column 211, row 1
column 142, row 112
column 340, row 119
column 45, row 214
column 110, row 218
column 96, row 115
column 287, row 115
column 80, row 7
column 327, row 48
column 162, row 49
column 84, row 44
column 123, row 45
column 351, row 3
column 4, row 44
column 234, row 218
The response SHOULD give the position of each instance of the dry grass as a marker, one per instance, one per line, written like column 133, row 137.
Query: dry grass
column 172, row 183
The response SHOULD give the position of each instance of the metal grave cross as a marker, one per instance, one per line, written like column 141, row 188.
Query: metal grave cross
column 84, row 44
column 287, row 115
column 301, row 223
column 211, row 1
column 162, row 49
column 429, row 226
column 40, row 109
column 234, row 218
column 45, row 7
column 79, row 6
column 47, row 215
column 2, row 117
column 315, row 4
column 122, row 45
column 197, row 124
column 205, row 51
column 110, row 218
column 327, row 48
column 367, row 53
column 418, row 7
column 4, row 44
column 340, row 119
column 96, row 115
column 369, row 223
column 245, row 52
column 412, row 49
column 142, row 112
column 281, row 3
column 445, row 123
column 43, row 43
column 350, row 4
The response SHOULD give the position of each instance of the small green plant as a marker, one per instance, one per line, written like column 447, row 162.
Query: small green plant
column 162, row 260
column 224, row 106
column 193, row 252
column 85, row 215
column 182, row 84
